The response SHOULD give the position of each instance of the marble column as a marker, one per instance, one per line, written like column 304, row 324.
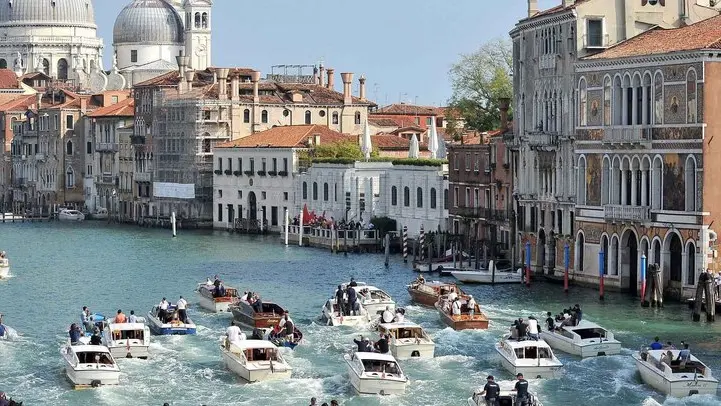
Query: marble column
column 634, row 105
column 634, row 196
column 624, row 176
column 644, row 188
column 645, row 105
column 624, row 107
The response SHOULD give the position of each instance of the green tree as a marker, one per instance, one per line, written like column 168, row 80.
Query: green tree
column 478, row 80
column 344, row 149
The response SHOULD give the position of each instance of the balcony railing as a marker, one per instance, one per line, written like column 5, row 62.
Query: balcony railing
column 142, row 176
column 627, row 135
column 615, row 212
column 106, row 147
column 539, row 139
column 481, row 213
column 547, row 61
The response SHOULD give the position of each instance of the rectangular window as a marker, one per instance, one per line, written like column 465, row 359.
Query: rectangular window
column 275, row 164
column 230, row 164
column 285, row 196
column 220, row 164
column 429, row 121
column 488, row 198
column 56, row 121
column 262, row 195
column 476, row 198
column 468, row 197
column 594, row 33
column 220, row 212
column 240, row 211
column 456, row 166
column 88, row 147
column 220, row 192
column 418, row 121
column 285, row 165
column 252, row 164
column 477, row 163
column 133, row 55
column 240, row 194
column 90, row 170
column 262, row 164
column 274, row 215
column 455, row 197
column 69, row 122
column 468, row 161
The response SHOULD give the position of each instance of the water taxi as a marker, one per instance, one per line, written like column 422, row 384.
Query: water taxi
column 209, row 300
column 428, row 293
column 661, row 370
column 532, row 358
column 375, row 374
column 70, row 215
column 584, row 340
column 504, row 273
column 170, row 326
column 407, row 340
column 255, row 360
column 374, row 300
column 244, row 314
column 467, row 320
column 331, row 315
column 129, row 340
column 90, row 366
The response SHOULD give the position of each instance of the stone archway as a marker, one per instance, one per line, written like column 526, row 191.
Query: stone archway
column 629, row 261
column 252, row 206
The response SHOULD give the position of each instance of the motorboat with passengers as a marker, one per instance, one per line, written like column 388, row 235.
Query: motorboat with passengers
column 427, row 293
column 332, row 315
column 90, row 366
column 168, row 322
column 267, row 316
column 129, row 340
column 255, row 360
column 374, row 300
column 217, row 300
column 375, row 374
column 407, row 340
column 665, row 372
column 586, row 339
column 532, row 358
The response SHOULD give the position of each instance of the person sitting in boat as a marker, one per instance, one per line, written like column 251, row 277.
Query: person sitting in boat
column 132, row 318
column 550, row 323
column 3, row 254
column 656, row 344
column 387, row 316
column 453, row 295
column 95, row 339
column 362, row 344
column 352, row 297
column 471, row 305
column 420, row 280
column 456, row 307
column 163, row 310
column 381, row 346
column 120, row 317
column 400, row 316
column 532, row 325
column 514, row 330
column 287, row 323
column 353, row 283
column 340, row 300
column 74, row 334
column 522, row 329
column 257, row 304
column 87, row 319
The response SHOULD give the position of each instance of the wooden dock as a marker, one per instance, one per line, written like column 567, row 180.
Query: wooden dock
column 355, row 240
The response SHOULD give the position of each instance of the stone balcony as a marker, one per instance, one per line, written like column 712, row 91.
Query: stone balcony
column 106, row 147
column 142, row 177
column 627, row 135
column 638, row 214
column 40, row 157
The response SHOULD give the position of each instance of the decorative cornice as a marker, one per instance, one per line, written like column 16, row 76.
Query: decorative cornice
column 593, row 65
column 532, row 23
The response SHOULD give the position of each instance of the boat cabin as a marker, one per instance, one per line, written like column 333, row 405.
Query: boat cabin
column 255, row 350
column 368, row 292
column 125, row 334
column 378, row 364
column 87, row 354
column 527, row 349
column 209, row 291
column 665, row 361
column 402, row 330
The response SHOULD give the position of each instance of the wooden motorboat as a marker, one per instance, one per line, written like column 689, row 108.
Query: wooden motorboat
column 219, row 304
column 245, row 315
column 128, row 340
column 428, row 293
column 375, row 374
column 407, row 340
column 587, row 339
column 255, row 360
column 467, row 320
column 660, row 370
column 90, row 366
column 532, row 358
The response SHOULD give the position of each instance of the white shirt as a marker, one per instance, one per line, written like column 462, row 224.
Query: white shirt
column 163, row 305
column 456, row 308
column 387, row 316
column 283, row 321
column 452, row 296
column 234, row 333
column 132, row 318
column 181, row 304
column 532, row 326
column 208, row 282
column 472, row 304
column 400, row 318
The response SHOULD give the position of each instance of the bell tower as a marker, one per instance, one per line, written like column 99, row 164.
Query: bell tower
column 197, row 32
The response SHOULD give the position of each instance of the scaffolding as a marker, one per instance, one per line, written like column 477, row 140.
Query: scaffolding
column 284, row 74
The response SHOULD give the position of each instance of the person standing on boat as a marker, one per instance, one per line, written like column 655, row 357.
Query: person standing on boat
column 387, row 316
column 490, row 391
column 550, row 323
column 381, row 345
column 120, row 317
column 656, row 344
column 471, row 305
column 95, row 339
column 287, row 323
column 132, row 318
column 74, row 334
column 257, row 304
column 353, row 283
column 684, row 356
column 233, row 333
column 532, row 327
column 453, row 295
column 578, row 314
column 339, row 294
column 456, row 307
column 521, row 390
column 182, row 305
column 352, row 300
column 522, row 329
column 163, row 310
column 362, row 344
column 87, row 319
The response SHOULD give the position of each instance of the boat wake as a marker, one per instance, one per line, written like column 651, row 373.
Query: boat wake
column 10, row 334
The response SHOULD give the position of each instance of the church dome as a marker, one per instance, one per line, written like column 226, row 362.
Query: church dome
column 47, row 12
column 148, row 22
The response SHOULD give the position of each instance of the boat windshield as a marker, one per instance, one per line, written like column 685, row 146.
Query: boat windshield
column 272, row 308
column 261, row 354
column 388, row 367
column 128, row 334
column 587, row 333
column 407, row 332
column 375, row 294
column 532, row 352
column 94, row 357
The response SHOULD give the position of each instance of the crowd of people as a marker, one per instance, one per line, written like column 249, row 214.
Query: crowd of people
column 492, row 391
column 684, row 354
column 314, row 402
column 365, row 344
column 568, row 317
column 329, row 223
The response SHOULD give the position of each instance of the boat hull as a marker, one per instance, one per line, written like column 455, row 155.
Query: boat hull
column 335, row 320
column 487, row 277
column 464, row 321
column 247, row 318
column 91, row 378
column 530, row 371
column 4, row 272
column 412, row 351
column 164, row 329
column 215, row 305
column 678, row 387
column 584, row 349
column 135, row 351
column 375, row 385
column 259, row 371
column 423, row 298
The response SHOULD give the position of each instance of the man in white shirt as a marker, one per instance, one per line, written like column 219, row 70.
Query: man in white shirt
column 163, row 310
column 287, row 326
column 471, row 305
column 532, row 327
column 387, row 316
column 234, row 333
column 456, row 307
column 182, row 305
column 132, row 318
column 453, row 295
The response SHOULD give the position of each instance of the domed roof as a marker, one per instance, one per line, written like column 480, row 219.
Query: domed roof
column 47, row 12
column 148, row 22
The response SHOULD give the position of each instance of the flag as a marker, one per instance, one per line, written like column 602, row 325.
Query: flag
column 306, row 215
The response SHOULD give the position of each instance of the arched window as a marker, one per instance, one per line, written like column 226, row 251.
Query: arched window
column 690, row 263
column 62, row 69
column 3, row 64
column 419, row 197
column 206, row 146
column 305, row 190
column 394, row 196
column 605, row 184
column 46, row 66
column 264, row 116
column 357, row 117
column 581, row 179
column 406, row 196
column 308, row 117
column 69, row 148
column 657, row 184
column 445, row 199
column 582, row 101
column 607, row 101
column 70, row 178
column 246, row 116
column 658, row 98
column 325, row 192
column 690, row 182
column 315, row 190
column 197, row 20
column 335, row 117
column 434, row 204
column 691, row 96
column 204, row 20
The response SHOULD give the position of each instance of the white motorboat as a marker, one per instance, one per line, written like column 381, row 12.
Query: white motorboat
column 587, row 339
column 70, row 215
column 255, row 360
column 534, row 359
column 129, row 340
column 332, row 316
column 374, row 300
column 660, row 370
column 408, row 340
column 504, row 273
column 100, row 214
column 4, row 268
column 169, row 327
column 507, row 396
column 218, row 303
column 90, row 366
column 375, row 374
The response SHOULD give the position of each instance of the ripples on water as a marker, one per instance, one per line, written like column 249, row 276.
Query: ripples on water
column 59, row 268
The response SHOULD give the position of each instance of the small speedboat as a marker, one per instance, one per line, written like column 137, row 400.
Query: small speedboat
column 585, row 340
column 375, row 374
column 255, row 360
column 408, row 340
column 218, row 304
column 244, row 314
column 374, row 300
column 660, row 370
column 169, row 327
column 467, row 320
column 71, row 215
column 100, row 214
column 507, row 396
column 501, row 275
column 4, row 268
column 532, row 358
column 90, row 366
column 129, row 340
column 331, row 315
column 428, row 293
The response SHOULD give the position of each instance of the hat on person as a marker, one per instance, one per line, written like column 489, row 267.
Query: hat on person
column 490, row 377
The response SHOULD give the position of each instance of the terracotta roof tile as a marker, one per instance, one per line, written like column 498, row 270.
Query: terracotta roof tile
column 124, row 108
column 704, row 34
column 15, row 102
column 292, row 136
column 407, row 109
column 389, row 142
column 382, row 122
column 8, row 79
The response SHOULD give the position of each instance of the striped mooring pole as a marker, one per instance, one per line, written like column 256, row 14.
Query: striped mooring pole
column 421, row 239
column 405, row 244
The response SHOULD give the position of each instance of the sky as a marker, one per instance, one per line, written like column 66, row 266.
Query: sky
column 403, row 47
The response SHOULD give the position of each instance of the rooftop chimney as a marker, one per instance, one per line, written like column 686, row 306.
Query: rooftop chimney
column 331, row 80
column 182, row 64
column 533, row 7
column 321, row 76
column 347, row 86
column 222, row 84
column 38, row 101
column 255, row 78
column 362, row 91
column 504, row 104
column 189, row 76
column 235, row 87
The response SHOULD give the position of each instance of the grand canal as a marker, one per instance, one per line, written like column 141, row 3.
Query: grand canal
column 59, row 268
